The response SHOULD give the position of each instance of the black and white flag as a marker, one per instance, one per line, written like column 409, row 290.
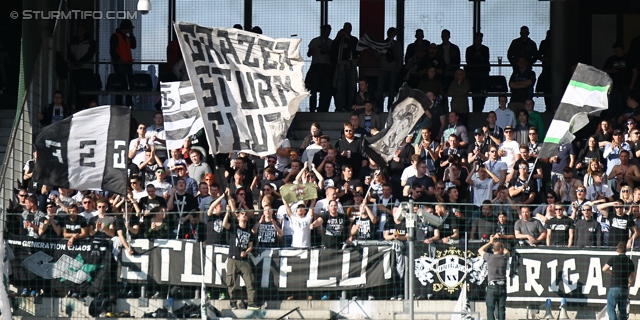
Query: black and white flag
column 248, row 86
column 87, row 151
column 407, row 111
column 365, row 42
column 180, row 112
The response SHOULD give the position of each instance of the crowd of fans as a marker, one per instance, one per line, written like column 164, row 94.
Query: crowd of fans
column 483, row 182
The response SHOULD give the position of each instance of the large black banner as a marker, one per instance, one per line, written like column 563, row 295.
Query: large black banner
column 44, row 264
column 534, row 273
column 177, row 262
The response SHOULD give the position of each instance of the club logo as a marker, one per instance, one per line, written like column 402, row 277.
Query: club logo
column 447, row 270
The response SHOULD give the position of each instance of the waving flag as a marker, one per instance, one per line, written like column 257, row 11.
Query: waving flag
column 248, row 86
column 365, row 42
column 180, row 112
column 87, row 151
column 407, row 111
column 586, row 94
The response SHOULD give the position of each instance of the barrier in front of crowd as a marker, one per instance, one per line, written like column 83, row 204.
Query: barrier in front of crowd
column 441, row 270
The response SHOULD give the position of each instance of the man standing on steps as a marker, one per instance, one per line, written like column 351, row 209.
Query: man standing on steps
column 240, row 245
column 497, row 278
column 623, row 275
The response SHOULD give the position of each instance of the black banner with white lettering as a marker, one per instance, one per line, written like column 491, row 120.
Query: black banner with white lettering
column 541, row 273
column 177, row 262
column 44, row 264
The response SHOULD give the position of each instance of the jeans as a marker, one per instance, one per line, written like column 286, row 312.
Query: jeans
column 346, row 85
column 319, row 81
column 126, row 69
column 496, row 297
column 386, row 86
column 618, row 296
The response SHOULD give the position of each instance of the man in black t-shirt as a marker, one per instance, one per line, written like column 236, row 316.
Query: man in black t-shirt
column 335, row 226
column 560, row 229
column 623, row 276
column 620, row 224
column 241, row 242
column 193, row 229
column 396, row 231
column 75, row 227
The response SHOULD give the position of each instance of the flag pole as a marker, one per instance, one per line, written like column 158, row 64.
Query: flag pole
column 375, row 175
column 534, row 169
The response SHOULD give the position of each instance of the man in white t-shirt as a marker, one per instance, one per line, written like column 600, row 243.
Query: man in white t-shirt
column 157, row 136
column 310, row 151
column 323, row 204
column 411, row 170
column 509, row 150
column 505, row 117
column 300, row 223
column 482, row 185
column 138, row 145
column 496, row 166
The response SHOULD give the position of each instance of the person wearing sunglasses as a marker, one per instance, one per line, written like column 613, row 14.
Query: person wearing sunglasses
column 622, row 228
column 560, row 228
column 496, row 166
column 350, row 150
column 588, row 232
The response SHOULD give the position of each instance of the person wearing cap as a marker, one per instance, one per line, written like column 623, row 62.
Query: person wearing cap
column 192, row 184
column 622, row 228
column 480, row 149
column 613, row 150
column 50, row 226
column 369, row 119
column 509, row 151
column 623, row 275
column 120, row 45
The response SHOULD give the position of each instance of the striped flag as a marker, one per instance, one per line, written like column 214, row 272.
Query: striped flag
column 586, row 94
column 87, row 151
column 180, row 112
column 366, row 42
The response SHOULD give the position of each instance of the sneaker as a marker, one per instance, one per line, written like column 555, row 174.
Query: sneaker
column 290, row 298
column 253, row 306
column 156, row 295
column 393, row 298
column 75, row 295
column 310, row 297
column 25, row 292
column 325, row 297
column 33, row 293
column 222, row 296
column 400, row 297
column 354, row 298
column 370, row 297
column 234, row 305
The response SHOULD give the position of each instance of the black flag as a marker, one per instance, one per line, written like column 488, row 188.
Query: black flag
column 407, row 111
column 85, row 151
